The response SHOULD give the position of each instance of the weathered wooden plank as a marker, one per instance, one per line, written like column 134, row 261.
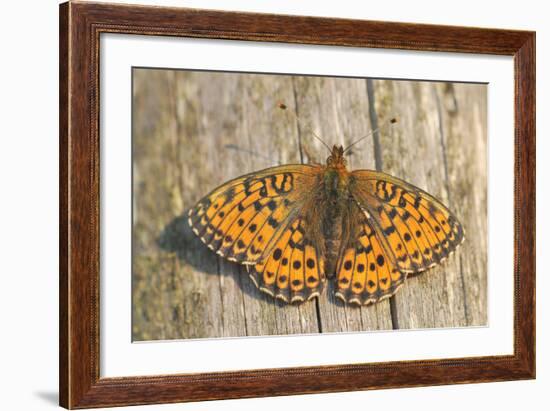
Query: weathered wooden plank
column 337, row 110
column 220, row 116
column 194, row 131
column 435, row 298
column 261, row 134
column 183, row 302
column 412, row 151
column 464, row 123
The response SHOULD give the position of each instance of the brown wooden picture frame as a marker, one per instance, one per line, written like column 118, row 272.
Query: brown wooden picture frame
column 80, row 27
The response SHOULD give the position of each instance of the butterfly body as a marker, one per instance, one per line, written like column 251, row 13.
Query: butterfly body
column 335, row 186
column 293, row 226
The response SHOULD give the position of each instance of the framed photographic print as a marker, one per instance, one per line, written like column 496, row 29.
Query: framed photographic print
column 257, row 205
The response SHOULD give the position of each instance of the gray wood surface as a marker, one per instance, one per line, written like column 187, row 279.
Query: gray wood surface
column 192, row 131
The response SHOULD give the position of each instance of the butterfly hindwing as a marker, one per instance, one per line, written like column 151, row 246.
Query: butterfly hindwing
column 419, row 230
column 292, row 270
column 366, row 272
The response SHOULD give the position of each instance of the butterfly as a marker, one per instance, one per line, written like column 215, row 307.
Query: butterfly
column 293, row 226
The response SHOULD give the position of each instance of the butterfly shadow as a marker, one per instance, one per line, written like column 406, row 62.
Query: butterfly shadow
column 177, row 237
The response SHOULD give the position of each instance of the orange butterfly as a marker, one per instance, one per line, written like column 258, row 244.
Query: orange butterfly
column 294, row 225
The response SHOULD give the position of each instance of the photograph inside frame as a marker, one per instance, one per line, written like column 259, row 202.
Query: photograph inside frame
column 275, row 204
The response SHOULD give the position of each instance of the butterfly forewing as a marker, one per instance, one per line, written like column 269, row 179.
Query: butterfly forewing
column 419, row 231
column 242, row 219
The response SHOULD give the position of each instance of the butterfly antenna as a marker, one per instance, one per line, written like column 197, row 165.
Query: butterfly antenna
column 283, row 107
column 388, row 123
column 244, row 150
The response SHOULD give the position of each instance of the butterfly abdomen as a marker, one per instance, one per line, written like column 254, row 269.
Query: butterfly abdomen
column 332, row 227
column 336, row 192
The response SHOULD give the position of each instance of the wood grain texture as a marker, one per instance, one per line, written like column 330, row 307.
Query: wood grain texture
column 195, row 130
column 80, row 27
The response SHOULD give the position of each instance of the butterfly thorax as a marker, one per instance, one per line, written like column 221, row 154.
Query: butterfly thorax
column 336, row 176
column 336, row 196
